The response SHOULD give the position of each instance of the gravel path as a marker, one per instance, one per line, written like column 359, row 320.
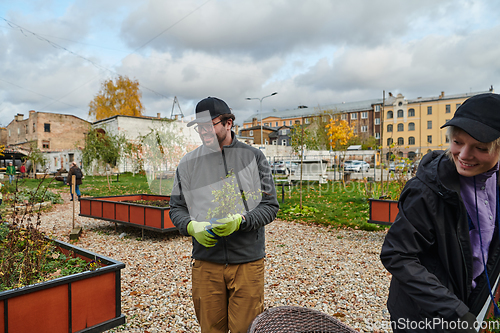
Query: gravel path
column 334, row 271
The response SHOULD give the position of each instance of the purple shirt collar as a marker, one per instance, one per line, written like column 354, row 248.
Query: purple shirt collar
column 486, row 185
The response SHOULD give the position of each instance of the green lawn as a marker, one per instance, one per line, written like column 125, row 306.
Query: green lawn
column 338, row 205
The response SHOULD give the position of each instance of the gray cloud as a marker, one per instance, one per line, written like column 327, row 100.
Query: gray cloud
column 311, row 52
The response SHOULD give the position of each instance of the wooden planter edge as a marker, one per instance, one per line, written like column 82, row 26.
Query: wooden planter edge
column 112, row 266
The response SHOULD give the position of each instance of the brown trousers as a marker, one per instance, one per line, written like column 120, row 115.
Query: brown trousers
column 227, row 297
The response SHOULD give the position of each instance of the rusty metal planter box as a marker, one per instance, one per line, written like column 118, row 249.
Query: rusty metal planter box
column 383, row 211
column 87, row 302
column 112, row 208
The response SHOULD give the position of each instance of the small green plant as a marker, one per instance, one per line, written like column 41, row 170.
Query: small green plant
column 229, row 198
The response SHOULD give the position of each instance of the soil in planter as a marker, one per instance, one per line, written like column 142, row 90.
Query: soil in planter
column 154, row 203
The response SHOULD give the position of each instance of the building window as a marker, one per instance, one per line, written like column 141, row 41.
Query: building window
column 377, row 135
column 364, row 115
column 46, row 128
column 400, row 103
column 283, row 142
column 429, row 124
column 283, row 132
column 290, row 122
column 343, row 116
column 411, row 126
column 354, row 116
column 26, row 127
column 389, row 128
column 377, row 108
column 401, row 141
column 307, row 120
column 275, row 142
column 411, row 113
column 411, row 140
column 9, row 131
column 401, row 127
column 277, row 124
column 389, row 141
column 429, row 110
column 377, row 121
column 448, row 108
column 250, row 133
column 18, row 130
column 355, row 130
column 389, row 115
column 400, row 113
column 364, row 129
column 429, row 138
column 46, row 144
column 266, row 124
column 457, row 106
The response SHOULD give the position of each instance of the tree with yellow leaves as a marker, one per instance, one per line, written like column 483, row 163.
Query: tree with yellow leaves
column 340, row 132
column 119, row 97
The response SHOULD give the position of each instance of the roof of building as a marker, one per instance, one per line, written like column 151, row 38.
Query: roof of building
column 346, row 107
column 257, row 127
column 314, row 111
column 445, row 97
column 136, row 117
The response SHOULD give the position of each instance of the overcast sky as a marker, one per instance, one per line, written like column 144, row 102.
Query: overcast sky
column 55, row 54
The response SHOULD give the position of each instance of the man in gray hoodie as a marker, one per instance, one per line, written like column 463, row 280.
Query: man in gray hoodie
column 223, row 196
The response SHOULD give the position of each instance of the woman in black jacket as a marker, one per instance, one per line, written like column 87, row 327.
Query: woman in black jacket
column 447, row 229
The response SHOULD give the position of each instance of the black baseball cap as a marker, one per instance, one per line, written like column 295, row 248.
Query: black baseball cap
column 479, row 116
column 210, row 105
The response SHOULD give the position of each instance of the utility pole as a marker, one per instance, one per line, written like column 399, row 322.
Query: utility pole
column 382, row 142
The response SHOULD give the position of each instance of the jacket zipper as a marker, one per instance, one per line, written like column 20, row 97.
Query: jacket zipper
column 467, row 291
column 224, row 244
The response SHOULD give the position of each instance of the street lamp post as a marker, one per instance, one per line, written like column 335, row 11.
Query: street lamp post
column 260, row 111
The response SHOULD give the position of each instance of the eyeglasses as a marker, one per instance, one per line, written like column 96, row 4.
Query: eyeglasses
column 206, row 127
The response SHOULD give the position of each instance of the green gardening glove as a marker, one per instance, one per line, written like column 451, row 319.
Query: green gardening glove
column 228, row 225
column 199, row 232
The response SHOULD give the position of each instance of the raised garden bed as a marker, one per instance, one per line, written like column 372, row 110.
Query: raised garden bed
column 122, row 209
column 83, row 302
column 383, row 211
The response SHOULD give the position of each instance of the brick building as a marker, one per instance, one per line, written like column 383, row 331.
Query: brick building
column 49, row 131
column 59, row 136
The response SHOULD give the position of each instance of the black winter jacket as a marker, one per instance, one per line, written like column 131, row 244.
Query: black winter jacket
column 201, row 172
column 427, row 249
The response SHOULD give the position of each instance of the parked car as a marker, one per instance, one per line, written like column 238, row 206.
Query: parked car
column 284, row 167
column 399, row 167
column 357, row 166
column 346, row 163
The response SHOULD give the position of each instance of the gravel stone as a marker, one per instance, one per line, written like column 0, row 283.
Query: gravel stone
column 332, row 270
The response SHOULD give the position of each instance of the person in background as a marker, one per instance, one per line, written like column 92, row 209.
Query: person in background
column 11, row 172
column 75, row 170
column 228, row 250
column 443, row 250
column 23, row 170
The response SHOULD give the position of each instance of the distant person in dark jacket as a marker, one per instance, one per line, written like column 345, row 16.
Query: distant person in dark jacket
column 443, row 250
column 229, row 248
column 11, row 172
column 75, row 170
